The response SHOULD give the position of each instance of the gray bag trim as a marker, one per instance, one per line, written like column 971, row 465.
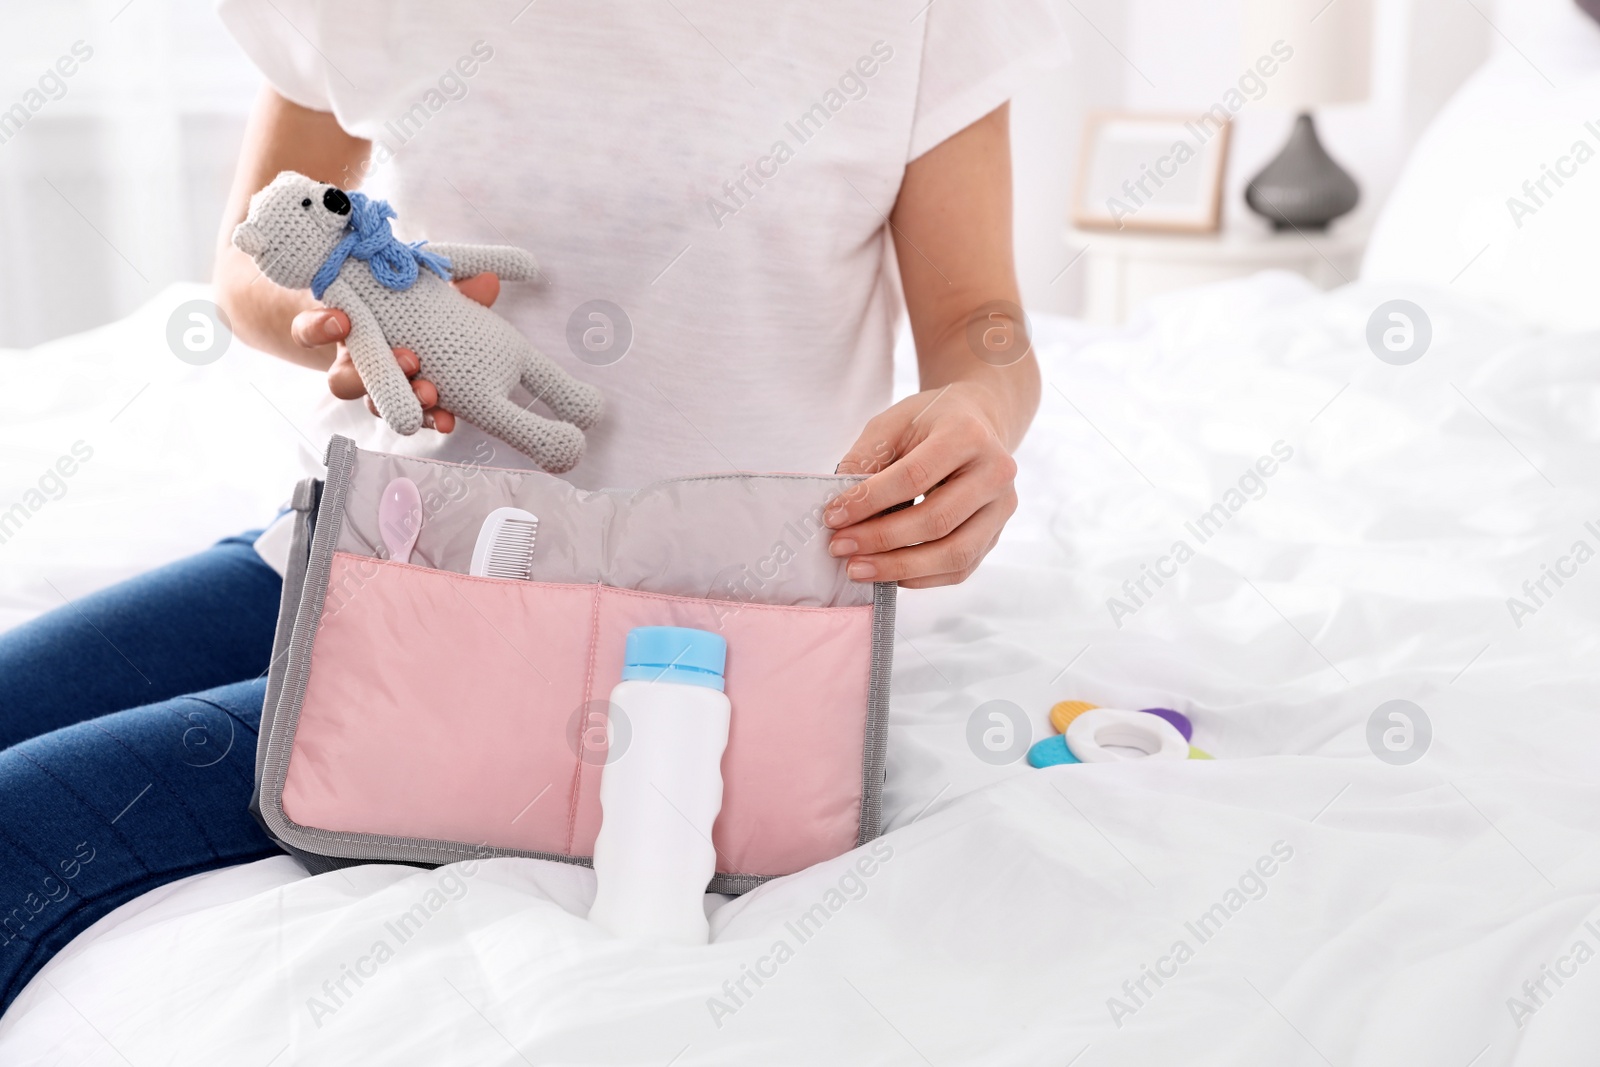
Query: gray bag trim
column 316, row 534
column 875, row 750
column 303, row 503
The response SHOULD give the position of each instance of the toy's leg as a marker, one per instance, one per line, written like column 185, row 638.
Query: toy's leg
column 374, row 360
column 577, row 402
column 555, row 446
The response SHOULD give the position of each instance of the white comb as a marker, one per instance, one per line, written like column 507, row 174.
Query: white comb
column 505, row 545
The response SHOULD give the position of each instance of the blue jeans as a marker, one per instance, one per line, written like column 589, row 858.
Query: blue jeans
column 127, row 745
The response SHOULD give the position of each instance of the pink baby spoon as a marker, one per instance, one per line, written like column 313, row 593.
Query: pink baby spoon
column 400, row 518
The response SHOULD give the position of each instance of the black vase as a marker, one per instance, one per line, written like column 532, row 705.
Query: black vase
column 1303, row 188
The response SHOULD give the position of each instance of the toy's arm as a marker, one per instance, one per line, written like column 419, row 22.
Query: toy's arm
column 510, row 263
column 374, row 360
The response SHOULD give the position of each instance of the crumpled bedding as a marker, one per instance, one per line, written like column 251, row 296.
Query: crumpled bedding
column 1298, row 900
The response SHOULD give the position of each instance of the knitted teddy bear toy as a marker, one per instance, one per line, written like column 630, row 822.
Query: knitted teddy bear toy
column 306, row 234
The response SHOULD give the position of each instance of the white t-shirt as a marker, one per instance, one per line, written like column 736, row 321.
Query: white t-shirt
column 716, row 171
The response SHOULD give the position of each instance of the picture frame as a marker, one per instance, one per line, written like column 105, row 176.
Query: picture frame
column 1151, row 172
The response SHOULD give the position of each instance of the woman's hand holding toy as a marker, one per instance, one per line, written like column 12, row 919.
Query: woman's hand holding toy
column 320, row 326
column 304, row 235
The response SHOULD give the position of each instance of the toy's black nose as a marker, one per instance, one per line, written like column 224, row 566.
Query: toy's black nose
column 336, row 202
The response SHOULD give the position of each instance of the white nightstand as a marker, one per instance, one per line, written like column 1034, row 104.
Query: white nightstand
column 1121, row 269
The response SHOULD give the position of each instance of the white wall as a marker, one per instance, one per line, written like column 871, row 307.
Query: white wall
column 1046, row 129
column 139, row 149
column 114, row 190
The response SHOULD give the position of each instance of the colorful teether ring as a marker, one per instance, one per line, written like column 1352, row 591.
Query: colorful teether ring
column 1062, row 714
column 1090, row 733
column 1195, row 753
column 1051, row 751
column 1176, row 718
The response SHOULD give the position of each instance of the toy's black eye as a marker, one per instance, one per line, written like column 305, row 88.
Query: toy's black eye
column 306, row 202
column 336, row 202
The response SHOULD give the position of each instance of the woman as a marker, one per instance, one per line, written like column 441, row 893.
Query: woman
column 714, row 190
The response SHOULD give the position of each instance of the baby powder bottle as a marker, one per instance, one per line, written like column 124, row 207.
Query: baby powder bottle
column 659, row 798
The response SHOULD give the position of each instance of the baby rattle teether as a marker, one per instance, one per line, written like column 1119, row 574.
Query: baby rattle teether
column 1093, row 735
column 1158, row 733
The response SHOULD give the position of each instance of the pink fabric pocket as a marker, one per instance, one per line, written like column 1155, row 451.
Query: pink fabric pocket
column 455, row 708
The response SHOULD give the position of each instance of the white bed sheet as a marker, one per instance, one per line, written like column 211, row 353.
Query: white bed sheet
column 180, row 455
column 1016, row 903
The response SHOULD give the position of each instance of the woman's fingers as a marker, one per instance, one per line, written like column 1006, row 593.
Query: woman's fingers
column 929, row 581
column 346, row 384
column 484, row 288
column 948, row 445
column 953, row 442
column 433, row 416
column 321, row 326
column 947, row 452
column 427, row 395
column 953, row 557
column 943, row 509
column 907, row 478
column 343, row 381
column 318, row 327
column 409, row 362
column 324, row 326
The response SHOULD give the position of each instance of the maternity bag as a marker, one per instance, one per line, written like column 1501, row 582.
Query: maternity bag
column 417, row 713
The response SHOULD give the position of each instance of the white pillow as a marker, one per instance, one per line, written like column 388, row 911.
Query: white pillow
column 1461, row 214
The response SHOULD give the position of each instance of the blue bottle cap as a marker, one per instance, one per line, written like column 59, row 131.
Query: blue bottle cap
column 675, row 654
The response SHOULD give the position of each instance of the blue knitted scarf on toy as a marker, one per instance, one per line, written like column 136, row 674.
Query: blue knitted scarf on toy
column 392, row 262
